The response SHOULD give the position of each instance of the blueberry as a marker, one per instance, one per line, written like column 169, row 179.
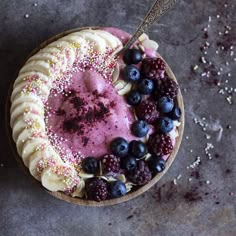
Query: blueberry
column 140, row 128
column 146, row 86
column 175, row 114
column 119, row 147
column 137, row 148
column 90, row 165
column 132, row 56
column 133, row 98
column 118, row 189
column 131, row 73
column 165, row 124
column 165, row 104
column 156, row 164
column 128, row 163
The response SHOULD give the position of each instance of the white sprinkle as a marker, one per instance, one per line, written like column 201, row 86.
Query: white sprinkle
column 191, row 150
column 179, row 176
column 203, row 74
column 208, row 182
column 229, row 100
column 205, row 53
column 209, row 19
column 222, row 47
column 226, row 63
column 175, row 182
column 221, row 69
column 189, row 179
column 226, row 32
column 231, row 47
column 226, row 5
column 226, row 81
column 229, row 74
column 218, row 73
column 26, row 15
column 231, row 53
column 35, row 4
column 217, row 52
column 220, row 33
column 218, row 16
column 187, row 137
column 2, row 165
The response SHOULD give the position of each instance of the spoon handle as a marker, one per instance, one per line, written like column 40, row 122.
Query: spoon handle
column 159, row 8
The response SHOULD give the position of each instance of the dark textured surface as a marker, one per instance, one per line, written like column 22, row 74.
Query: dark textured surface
column 193, row 206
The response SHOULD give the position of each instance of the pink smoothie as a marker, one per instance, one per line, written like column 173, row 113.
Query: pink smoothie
column 84, row 118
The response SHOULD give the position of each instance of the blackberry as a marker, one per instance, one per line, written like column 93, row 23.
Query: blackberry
column 159, row 144
column 166, row 87
column 141, row 174
column 96, row 189
column 110, row 163
column 147, row 111
column 153, row 68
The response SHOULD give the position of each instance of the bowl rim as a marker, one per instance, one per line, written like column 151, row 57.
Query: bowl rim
column 76, row 200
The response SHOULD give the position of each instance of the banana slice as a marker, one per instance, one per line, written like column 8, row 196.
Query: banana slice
column 110, row 39
column 91, row 37
column 41, row 90
column 150, row 44
column 25, row 77
column 20, row 124
column 125, row 90
column 120, row 84
column 79, row 192
column 116, row 73
column 43, row 56
column 47, row 153
column 24, row 108
column 143, row 37
column 57, row 182
column 52, row 181
column 31, row 146
column 38, row 66
column 25, row 98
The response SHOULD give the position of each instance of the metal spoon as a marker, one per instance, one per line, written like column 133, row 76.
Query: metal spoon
column 159, row 8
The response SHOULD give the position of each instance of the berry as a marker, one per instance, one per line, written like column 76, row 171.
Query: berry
column 153, row 68
column 166, row 87
column 128, row 163
column 141, row 174
column 110, row 163
column 165, row 124
column 96, row 189
column 133, row 98
column 119, row 147
column 118, row 189
column 156, row 164
column 147, row 111
column 90, row 165
column 140, row 128
column 137, row 148
column 132, row 56
column 165, row 104
column 145, row 86
column 131, row 73
column 159, row 144
column 175, row 114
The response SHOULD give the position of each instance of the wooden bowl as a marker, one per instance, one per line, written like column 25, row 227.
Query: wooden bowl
column 84, row 202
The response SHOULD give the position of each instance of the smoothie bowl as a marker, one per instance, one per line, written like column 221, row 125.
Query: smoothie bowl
column 91, row 127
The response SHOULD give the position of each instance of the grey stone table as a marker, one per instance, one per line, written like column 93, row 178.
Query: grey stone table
column 197, row 38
